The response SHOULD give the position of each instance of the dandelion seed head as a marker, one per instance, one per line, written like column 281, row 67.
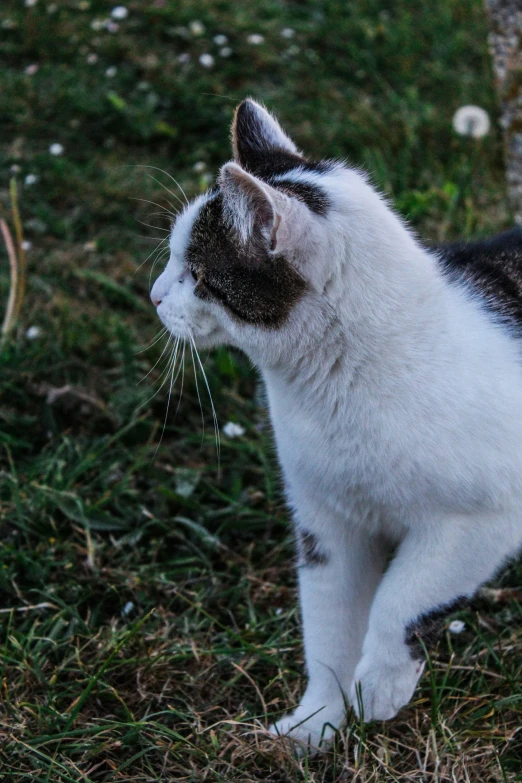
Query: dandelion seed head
column 471, row 121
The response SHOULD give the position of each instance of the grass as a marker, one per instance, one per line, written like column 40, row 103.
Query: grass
column 148, row 611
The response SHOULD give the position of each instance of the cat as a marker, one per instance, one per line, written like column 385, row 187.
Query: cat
column 393, row 375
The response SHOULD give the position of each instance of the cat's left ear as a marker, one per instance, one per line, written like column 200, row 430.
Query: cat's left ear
column 256, row 210
column 257, row 134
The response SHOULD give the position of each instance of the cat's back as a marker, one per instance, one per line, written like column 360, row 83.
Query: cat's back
column 491, row 268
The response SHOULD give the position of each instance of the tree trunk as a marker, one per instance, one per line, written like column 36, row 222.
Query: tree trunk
column 505, row 42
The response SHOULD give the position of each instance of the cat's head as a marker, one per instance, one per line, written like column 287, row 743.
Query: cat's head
column 253, row 262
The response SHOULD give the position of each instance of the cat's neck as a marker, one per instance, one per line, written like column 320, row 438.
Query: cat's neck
column 372, row 325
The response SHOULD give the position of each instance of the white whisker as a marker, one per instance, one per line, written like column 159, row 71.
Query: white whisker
column 155, row 339
column 216, row 427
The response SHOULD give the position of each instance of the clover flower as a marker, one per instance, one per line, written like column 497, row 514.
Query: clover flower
column 233, row 430
column 206, row 60
column 120, row 12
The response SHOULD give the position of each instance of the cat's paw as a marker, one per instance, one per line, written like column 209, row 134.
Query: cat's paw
column 311, row 727
column 383, row 687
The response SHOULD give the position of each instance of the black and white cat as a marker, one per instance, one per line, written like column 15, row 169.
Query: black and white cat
column 394, row 380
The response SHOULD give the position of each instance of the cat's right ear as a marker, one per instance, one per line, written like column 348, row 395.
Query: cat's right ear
column 256, row 134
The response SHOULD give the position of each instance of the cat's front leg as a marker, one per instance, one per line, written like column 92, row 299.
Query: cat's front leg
column 339, row 569
column 435, row 569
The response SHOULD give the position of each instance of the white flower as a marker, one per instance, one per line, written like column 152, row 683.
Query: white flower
column 111, row 71
column 31, row 69
column 226, row 51
column 84, row 5
column 26, row 245
column 92, row 59
column 33, row 332
column 233, row 430
column 220, row 40
column 471, row 121
column 184, row 58
column 120, row 12
column 287, row 32
column 206, row 60
column 111, row 26
column 31, row 179
column 15, row 169
column 200, row 166
column 456, row 626
column 30, row 3
column 143, row 86
column 56, row 149
column 196, row 28
column 127, row 609
column 52, row 8
column 90, row 246
column 97, row 24
column 255, row 39
column 8, row 24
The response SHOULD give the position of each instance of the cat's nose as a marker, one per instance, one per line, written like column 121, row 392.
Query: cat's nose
column 156, row 300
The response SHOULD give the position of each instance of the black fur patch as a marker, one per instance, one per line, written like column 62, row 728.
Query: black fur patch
column 314, row 197
column 491, row 267
column 309, row 551
column 253, row 285
column 428, row 627
column 257, row 155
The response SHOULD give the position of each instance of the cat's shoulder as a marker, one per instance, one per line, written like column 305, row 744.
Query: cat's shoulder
column 491, row 268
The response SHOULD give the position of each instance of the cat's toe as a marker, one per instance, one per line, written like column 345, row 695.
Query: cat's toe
column 381, row 688
column 311, row 729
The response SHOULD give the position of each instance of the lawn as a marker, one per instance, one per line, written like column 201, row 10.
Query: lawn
column 148, row 620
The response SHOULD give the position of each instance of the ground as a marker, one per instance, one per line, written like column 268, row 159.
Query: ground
column 148, row 621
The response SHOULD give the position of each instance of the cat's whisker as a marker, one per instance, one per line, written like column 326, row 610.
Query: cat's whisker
column 155, row 204
column 165, row 374
column 167, row 189
column 155, row 339
column 163, row 254
column 216, row 426
column 167, row 175
column 172, row 383
column 149, row 225
column 158, row 361
column 197, row 390
column 154, row 250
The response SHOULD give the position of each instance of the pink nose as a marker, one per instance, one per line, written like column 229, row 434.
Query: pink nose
column 156, row 301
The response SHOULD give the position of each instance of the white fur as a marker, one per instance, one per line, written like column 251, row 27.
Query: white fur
column 396, row 402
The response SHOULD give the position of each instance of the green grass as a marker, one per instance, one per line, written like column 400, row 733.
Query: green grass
column 152, row 628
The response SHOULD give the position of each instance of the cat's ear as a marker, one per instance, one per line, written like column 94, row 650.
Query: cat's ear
column 256, row 210
column 255, row 134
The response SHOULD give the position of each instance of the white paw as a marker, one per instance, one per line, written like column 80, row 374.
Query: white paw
column 311, row 726
column 383, row 687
